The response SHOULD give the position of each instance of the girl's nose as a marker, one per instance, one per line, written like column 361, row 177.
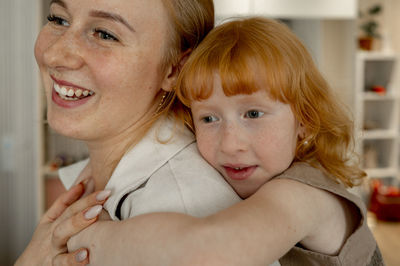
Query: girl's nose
column 233, row 139
column 65, row 51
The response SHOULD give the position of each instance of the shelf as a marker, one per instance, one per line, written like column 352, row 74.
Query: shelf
column 381, row 172
column 48, row 172
column 375, row 55
column 379, row 134
column 372, row 96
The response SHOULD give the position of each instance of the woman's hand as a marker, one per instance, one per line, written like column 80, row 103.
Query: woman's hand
column 65, row 218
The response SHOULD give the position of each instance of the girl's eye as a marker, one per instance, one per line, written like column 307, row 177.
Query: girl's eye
column 57, row 20
column 254, row 114
column 209, row 119
column 104, row 35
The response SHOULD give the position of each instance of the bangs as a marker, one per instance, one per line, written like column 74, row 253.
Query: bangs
column 243, row 66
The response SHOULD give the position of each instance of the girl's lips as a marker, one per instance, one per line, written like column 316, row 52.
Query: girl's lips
column 239, row 174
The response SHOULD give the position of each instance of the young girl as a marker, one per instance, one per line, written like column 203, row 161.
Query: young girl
column 266, row 119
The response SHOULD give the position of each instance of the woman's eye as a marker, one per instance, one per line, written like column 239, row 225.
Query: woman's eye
column 209, row 119
column 104, row 35
column 254, row 114
column 57, row 20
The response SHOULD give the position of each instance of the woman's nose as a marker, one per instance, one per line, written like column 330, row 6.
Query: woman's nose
column 64, row 51
column 233, row 139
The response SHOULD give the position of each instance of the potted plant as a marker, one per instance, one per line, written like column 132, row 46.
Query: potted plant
column 369, row 26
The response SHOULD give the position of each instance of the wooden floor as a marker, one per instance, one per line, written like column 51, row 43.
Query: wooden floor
column 387, row 234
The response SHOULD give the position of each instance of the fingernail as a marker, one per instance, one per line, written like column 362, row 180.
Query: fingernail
column 103, row 195
column 81, row 256
column 93, row 212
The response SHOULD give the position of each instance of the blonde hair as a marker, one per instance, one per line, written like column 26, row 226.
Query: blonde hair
column 189, row 22
column 257, row 53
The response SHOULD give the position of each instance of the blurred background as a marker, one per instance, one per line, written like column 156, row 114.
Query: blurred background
column 354, row 43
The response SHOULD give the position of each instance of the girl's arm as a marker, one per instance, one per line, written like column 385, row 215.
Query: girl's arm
column 256, row 231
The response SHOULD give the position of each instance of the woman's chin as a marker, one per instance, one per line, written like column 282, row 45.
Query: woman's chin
column 66, row 128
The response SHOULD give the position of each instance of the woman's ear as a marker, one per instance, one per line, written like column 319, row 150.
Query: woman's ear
column 173, row 71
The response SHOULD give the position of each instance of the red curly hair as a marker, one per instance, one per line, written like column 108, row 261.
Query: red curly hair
column 254, row 54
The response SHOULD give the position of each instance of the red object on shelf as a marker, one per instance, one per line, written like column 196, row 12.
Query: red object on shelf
column 379, row 89
column 385, row 202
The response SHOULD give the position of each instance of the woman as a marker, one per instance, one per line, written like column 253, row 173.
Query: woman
column 108, row 68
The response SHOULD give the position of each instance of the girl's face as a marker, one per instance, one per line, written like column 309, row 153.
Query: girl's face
column 247, row 138
column 100, row 62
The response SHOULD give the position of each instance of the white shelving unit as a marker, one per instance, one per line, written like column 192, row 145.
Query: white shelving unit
column 377, row 114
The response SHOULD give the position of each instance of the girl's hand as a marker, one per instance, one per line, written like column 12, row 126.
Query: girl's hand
column 66, row 217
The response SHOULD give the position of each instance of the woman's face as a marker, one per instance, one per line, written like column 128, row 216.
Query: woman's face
column 100, row 62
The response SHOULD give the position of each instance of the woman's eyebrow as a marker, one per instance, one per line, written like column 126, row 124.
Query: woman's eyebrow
column 60, row 2
column 110, row 16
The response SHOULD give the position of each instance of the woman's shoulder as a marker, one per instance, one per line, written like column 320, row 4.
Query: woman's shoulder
column 202, row 188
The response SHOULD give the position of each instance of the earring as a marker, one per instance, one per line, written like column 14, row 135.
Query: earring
column 161, row 104
column 305, row 143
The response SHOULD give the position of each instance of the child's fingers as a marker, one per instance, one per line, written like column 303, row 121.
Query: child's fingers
column 62, row 203
column 73, row 225
column 79, row 257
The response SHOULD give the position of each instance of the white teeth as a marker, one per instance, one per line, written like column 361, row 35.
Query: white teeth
column 63, row 91
column 238, row 168
column 71, row 92
column 57, row 88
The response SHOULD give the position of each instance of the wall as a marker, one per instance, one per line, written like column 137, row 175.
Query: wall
column 392, row 22
column 18, row 126
column 337, row 57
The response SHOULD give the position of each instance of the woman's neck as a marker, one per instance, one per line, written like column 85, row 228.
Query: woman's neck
column 105, row 154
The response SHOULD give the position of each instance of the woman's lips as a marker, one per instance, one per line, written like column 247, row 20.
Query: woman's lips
column 239, row 173
column 67, row 101
column 69, row 95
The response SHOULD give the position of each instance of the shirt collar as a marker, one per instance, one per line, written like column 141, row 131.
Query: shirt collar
column 162, row 142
